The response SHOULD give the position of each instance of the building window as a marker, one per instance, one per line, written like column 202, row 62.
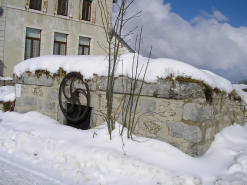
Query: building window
column 62, row 7
column 84, row 46
column 60, row 44
column 35, row 4
column 32, row 44
column 86, row 10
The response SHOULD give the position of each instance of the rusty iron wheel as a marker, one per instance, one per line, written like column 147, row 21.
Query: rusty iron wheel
column 73, row 97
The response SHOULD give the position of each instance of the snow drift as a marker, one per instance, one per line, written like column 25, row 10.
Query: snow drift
column 74, row 156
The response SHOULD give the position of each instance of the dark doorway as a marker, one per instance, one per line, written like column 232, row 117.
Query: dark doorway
column 83, row 124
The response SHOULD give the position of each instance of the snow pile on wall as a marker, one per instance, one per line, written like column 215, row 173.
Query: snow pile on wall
column 90, row 65
column 239, row 88
column 7, row 93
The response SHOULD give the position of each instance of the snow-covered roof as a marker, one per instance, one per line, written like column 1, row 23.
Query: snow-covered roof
column 90, row 65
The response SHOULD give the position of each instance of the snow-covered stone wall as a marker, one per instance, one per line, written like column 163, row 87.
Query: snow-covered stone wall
column 186, row 114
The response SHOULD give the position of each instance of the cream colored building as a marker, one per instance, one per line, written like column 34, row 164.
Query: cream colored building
column 30, row 28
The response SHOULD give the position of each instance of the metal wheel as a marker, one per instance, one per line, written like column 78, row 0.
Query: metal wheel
column 72, row 97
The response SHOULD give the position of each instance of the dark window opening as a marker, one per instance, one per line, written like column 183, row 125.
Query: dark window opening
column 32, row 43
column 60, row 44
column 62, row 7
column 81, row 124
column 84, row 46
column 35, row 4
column 86, row 10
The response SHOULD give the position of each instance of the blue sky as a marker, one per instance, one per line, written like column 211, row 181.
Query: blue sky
column 236, row 10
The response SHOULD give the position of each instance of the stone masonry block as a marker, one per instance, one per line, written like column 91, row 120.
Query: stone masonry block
column 147, row 106
column 210, row 132
column 17, row 80
column 44, row 81
column 29, row 79
column 197, row 112
column 29, row 102
column 181, row 130
column 37, row 91
column 18, row 102
column 50, row 107
column 61, row 118
column 52, row 93
column 40, row 104
column 167, row 108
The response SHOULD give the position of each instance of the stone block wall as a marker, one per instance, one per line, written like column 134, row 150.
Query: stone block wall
column 175, row 112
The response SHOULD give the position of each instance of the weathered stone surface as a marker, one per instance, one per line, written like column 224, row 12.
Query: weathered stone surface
column 50, row 107
column 18, row 102
column 37, row 91
column 44, row 81
column 52, row 93
column 210, row 132
column 181, row 130
column 17, row 80
column 152, row 126
column 103, row 102
column 27, row 109
column 160, row 89
column 190, row 90
column 167, row 108
column 147, row 106
column 101, row 83
column 40, row 104
column 61, row 118
column 196, row 112
column 29, row 79
column 29, row 102
column 196, row 150
column 24, row 90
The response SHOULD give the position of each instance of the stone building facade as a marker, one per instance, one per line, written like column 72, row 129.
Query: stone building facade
column 180, row 113
column 30, row 28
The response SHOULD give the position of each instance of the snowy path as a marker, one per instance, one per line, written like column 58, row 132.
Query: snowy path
column 11, row 174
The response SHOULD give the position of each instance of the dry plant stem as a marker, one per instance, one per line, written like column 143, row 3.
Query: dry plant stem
column 133, row 88
column 112, row 50
column 138, row 96
column 125, row 111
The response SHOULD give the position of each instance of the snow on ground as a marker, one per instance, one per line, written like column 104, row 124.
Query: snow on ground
column 12, row 174
column 7, row 93
column 90, row 65
column 74, row 156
